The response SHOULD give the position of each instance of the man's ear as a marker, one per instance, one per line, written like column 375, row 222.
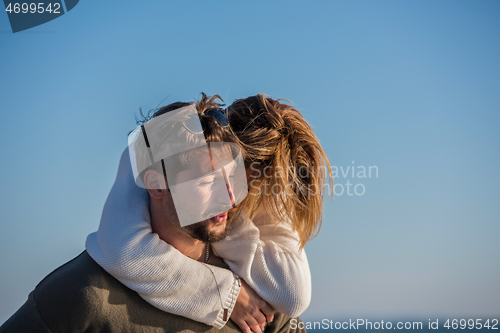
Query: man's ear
column 155, row 184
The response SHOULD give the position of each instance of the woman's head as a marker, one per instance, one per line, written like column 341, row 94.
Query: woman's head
column 286, row 164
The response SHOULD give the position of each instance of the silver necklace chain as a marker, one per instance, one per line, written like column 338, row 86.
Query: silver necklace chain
column 207, row 257
column 207, row 252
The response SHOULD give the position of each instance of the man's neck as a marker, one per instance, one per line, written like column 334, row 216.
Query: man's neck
column 174, row 235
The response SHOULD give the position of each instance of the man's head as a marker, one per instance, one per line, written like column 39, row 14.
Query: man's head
column 186, row 167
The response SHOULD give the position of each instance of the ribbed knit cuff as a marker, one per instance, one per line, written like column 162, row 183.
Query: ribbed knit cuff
column 229, row 303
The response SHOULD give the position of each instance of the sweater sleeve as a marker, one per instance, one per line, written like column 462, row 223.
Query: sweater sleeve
column 126, row 247
column 266, row 255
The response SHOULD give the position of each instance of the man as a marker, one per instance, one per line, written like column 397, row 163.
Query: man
column 81, row 296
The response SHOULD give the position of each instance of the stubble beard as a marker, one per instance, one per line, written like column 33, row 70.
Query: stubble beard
column 200, row 231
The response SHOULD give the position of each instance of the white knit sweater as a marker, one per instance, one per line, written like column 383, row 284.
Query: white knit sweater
column 263, row 254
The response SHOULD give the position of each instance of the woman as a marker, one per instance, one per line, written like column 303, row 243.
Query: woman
column 286, row 169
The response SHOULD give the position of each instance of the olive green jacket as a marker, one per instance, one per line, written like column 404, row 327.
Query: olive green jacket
column 80, row 296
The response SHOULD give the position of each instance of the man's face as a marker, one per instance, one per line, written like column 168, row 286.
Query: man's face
column 203, row 181
column 209, row 190
column 208, row 193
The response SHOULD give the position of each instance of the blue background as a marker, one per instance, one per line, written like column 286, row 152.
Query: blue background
column 411, row 87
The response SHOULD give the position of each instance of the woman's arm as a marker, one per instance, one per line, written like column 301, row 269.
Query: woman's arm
column 266, row 255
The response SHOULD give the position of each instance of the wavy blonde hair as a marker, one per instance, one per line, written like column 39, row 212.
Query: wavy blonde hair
column 281, row 152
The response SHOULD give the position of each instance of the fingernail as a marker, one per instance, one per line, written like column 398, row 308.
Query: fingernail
column 272, row 320
column 263, row 330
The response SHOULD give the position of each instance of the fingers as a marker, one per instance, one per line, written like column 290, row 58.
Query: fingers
column 256, row 329
column 258, row 317
column 243, row 326
column 254, row 322
column 268, row 311
column 249, row 326
column 251, row 312
column 256, row 326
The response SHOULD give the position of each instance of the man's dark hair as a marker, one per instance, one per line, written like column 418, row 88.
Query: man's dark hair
column 213, row 131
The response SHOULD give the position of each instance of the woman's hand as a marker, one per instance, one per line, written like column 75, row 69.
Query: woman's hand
column 250, row 311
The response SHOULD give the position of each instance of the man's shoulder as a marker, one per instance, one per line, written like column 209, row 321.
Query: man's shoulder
column 78, row 294
column 77, row 274
column 81, row 296
column 76, row 278
column 70, row 299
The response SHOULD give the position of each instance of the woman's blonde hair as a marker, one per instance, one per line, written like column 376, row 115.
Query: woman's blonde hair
column 288, row 167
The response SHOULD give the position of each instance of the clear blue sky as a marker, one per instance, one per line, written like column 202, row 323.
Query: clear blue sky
column 411, row 87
